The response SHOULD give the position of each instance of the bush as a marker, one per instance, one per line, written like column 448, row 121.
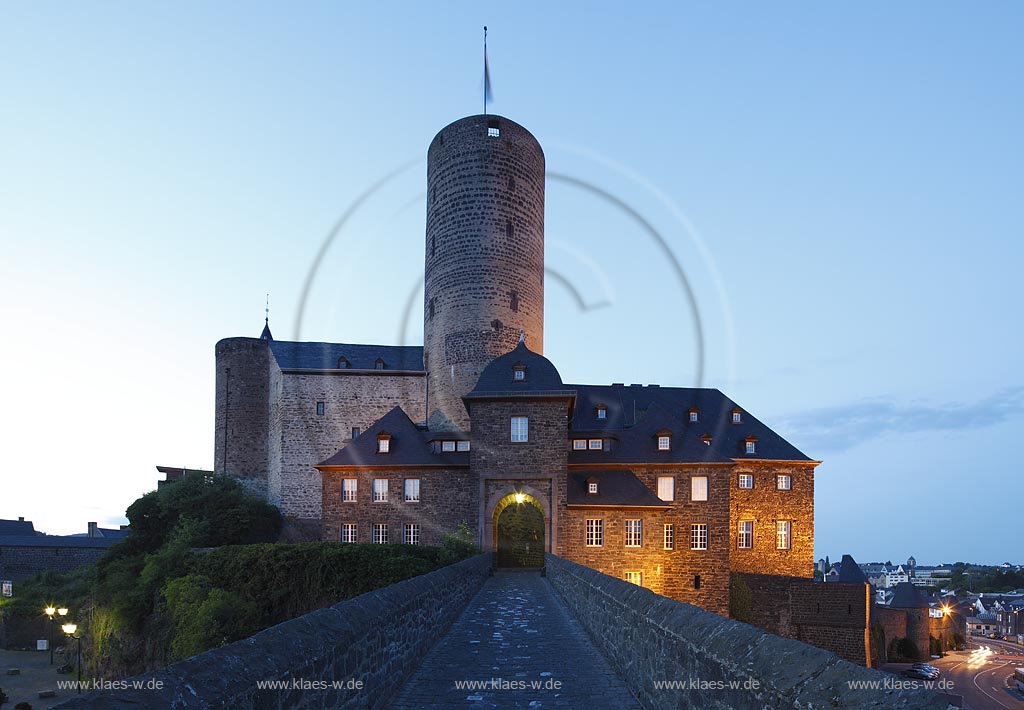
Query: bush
column 741, row 600
column 903, row 651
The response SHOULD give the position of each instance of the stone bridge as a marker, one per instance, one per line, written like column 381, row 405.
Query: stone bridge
column 467, row 637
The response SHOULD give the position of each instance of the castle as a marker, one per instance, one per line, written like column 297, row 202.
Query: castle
column 672, row 488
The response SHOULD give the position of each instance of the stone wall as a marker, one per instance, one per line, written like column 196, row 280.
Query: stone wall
column 672, row 573
column 832, row 616
column 376, row 638
column 650, row 639
column 19, row 562
column 241, row 412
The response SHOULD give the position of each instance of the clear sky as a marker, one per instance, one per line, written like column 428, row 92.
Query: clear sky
column 840, row 184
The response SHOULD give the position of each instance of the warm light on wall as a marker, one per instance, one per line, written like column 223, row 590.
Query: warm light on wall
column 520, row 497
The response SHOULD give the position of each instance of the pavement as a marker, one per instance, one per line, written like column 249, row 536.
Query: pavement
column 36, row 674
column 516, row 645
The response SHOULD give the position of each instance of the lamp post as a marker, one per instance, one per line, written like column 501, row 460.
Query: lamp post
column 71, row 631
column 50, row 611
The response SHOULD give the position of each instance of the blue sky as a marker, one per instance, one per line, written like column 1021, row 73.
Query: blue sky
column 839, row 183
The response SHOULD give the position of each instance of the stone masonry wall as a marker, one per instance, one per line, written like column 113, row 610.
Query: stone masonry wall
column 671, row 573
column 650, row 639
column 307, row 438
column 765, row 505
column 241, row 435
column 376, row 638
column 21, row 562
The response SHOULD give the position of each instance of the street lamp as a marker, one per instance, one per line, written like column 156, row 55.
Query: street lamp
column 50, row 611
column 71, row 629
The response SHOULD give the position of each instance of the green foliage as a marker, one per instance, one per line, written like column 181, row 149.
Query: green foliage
column 205, row 617
column 903, row 651
column 459, row 545
column 877, row 644
column 978, row 578
column 70, row 589
column 741, row 600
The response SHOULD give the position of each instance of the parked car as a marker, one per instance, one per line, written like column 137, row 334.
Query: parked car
column 917, row 673
column 993, row 635
column 931, row 670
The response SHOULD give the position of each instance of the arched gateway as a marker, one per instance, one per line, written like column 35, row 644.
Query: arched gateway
column 519, row 539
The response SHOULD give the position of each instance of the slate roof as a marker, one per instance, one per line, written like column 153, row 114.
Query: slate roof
column 408, row 446
column 542, row 378
column 17, row 527
column 619, row 488
column 907, row 596
column 630, row 405
column 850, row 572
column 324, row 356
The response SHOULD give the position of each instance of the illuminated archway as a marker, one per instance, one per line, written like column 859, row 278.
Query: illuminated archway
column 519, row 531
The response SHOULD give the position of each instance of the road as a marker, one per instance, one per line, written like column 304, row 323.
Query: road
column 982, row 675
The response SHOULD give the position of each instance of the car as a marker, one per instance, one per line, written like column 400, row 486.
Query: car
column 917, row 673
column 931, row 671
column 993, row 635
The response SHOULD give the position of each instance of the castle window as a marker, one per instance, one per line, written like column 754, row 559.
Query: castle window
column 664, row 443
column 383, row 444
column 378, row 364
column 746, row 480
column 493, row 129
column 513, row 301
column 356, row 431
column 636, row 578
column 699, row 536
column 520, row 429
column 433, row 302
column 666, row 488
column 595, row 532
column 463, row 446
column 696, row 581
column 699, row 488
column 783, row 483
column 380, row 533
column 320, row 409
column 447, row 446
column 693, row 414
column 348, row 532
column 602, row 412
column 380, row 490
column 592, row 487
column 519, row 375
column 510, row 230
column 634, row 533
column 412, row 534
column 343, row 364
column 511, row 183
column 670, row 536
column 783, row 534
column 412, row 490
column 751, row 447
column 746, row 534
column 579, row 444
column 737, row 416
column 596, row 444
column 349, row 487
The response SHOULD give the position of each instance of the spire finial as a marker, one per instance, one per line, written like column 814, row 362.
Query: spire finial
column 522, row 336
column 265, row 335
column 487, row 75
column 266, row 319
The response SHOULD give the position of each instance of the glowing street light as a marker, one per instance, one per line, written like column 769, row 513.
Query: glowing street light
column 50, row 611
column 71, row 629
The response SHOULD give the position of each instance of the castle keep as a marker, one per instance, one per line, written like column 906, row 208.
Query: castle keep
column 668, row 487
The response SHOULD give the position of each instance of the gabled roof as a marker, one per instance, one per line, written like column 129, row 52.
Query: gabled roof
column 324, row 356
column 541, row 380
column 907, row 596
column 628, row 406
column 850, row 572
column 408, row 446
column 617, row 488
column 17, row 527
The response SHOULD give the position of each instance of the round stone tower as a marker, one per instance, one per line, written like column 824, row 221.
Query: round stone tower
column 484, row 274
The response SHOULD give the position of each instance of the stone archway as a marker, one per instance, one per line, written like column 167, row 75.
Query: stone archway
column 519, row 531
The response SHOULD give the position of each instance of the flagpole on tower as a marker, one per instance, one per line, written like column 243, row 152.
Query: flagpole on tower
column 487, row 74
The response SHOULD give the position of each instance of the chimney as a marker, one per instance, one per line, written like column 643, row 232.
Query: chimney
column 21, row 518
column 94, row 530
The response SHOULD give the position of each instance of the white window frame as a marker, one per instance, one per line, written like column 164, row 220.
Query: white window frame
column 669, row 536
column 411, row 534
column 699, row 536
column 745, row 532
column 519, row 375
column 632, row 577
column 783, row 482
column 698, row 488
column 595, row 532
column 579, row 444
column 664, row 443
column 349, row 490
column 751, row 447
column 693, row 416
column 592, row 487
column 447, row 446
column 602, row 412
column 737, row 417
column 746, row 478
column 634, row 532
column 412, row 490
column 380, row 490
column 595, row 444
column 462, row 446
column 667, row 488
column 349, row 532
column 520, row 429
column 783, row 535
column 380, row 533
column 383, row 445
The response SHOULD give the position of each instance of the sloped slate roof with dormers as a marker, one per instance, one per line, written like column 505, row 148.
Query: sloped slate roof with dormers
column 633, row 407
column 408, row 446
column 17, row 527
column 907, row 596
column 541, row 378
column 619, row 488
column 325, row 356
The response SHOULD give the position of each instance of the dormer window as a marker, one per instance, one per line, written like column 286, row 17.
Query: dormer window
column 737, row 416
column 602, row 411
column 447, row 446
column 706, row 438
column 383, row 443
column 579, row 444
column 751, row 446
column 693, row 414
column 519, row 372
column 378, row 364
column 596, row 444
column 664, row 442
column 343, row 364
column 463, row 446
column 592, row 486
